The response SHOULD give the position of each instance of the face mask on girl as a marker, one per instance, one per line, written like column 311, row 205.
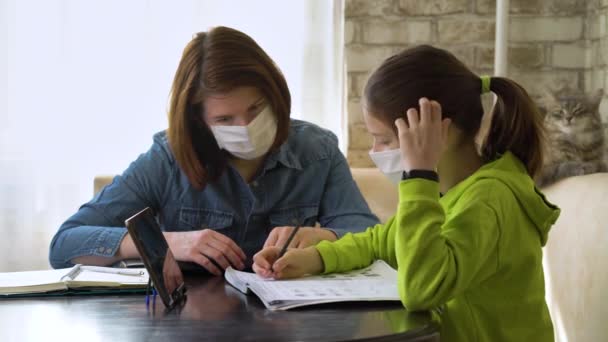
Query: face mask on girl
column 390, row 163
column 251, row 141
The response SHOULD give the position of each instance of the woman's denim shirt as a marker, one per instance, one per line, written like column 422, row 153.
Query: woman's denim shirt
column 307, row 180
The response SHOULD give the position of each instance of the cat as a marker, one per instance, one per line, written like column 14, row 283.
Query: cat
column 574, row 135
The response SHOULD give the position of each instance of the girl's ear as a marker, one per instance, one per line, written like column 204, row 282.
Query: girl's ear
column 456, row 138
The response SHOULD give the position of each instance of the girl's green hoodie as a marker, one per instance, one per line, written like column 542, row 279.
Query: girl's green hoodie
column 477, row 250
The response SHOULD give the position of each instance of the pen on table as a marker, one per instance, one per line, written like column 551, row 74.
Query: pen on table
column 148, row 291
column 136, row 273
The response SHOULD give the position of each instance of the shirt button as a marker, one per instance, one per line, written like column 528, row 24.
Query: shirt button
column 254, row 184
column 108, row 250
column 100, row 249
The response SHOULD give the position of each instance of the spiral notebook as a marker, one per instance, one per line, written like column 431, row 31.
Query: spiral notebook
column 78, row 278
column 377, row 282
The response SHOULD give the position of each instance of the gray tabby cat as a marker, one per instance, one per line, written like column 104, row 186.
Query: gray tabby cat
column 575, row 135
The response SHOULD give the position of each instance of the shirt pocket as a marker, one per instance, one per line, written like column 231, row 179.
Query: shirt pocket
column 302, row 215
column 196, row 219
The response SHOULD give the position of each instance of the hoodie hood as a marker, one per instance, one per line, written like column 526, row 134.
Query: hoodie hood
column 511, row 171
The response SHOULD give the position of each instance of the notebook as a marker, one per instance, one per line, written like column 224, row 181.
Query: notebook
column 79, row 277
column 377, row 282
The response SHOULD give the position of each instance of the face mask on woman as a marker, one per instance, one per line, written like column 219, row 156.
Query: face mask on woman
column 251, row 141
column 390, row 163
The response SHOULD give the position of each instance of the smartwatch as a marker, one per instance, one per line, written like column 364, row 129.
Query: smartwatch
column 424, row 174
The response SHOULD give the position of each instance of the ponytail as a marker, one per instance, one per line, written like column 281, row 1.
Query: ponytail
column 516, row 126
column 426, row 71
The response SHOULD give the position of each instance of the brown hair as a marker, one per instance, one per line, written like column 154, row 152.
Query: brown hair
column 218, row 61
column 425, row 71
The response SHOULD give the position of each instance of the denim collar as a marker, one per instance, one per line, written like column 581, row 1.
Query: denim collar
column 285, row 156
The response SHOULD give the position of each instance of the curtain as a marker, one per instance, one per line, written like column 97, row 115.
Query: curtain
column 85, row 85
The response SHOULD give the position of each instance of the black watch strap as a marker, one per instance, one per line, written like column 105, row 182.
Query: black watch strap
column 424, row 174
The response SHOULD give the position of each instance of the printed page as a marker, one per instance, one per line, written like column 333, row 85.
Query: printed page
column 241, row 280
column 329, row 289
column 376, row 271
column 376, row 282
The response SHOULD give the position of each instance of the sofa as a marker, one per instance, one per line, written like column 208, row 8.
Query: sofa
column 575, row 258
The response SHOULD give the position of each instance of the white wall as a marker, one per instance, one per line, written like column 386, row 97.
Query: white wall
column 85, row 85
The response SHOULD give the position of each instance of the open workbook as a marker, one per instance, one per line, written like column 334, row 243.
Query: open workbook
column 77, row 278
column 377, row 282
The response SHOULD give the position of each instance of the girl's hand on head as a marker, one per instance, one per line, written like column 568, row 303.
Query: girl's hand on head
column 294, row 264
column 423, row 138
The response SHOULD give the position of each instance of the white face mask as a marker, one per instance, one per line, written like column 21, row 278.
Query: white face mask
column 390, row 163
column 251, row 141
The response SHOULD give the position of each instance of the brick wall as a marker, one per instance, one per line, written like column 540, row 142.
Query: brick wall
column 553, row 43
column 596, row 34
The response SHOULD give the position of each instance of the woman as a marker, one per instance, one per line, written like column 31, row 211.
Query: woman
column 232, row 173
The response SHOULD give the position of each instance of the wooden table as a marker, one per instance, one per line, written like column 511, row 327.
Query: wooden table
column 213, row 311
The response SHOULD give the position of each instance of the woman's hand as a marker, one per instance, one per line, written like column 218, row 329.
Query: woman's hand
column 207, row 248
column 306, row 236
column 423, row 138
column 295, row 263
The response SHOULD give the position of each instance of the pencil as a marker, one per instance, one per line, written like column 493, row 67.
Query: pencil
column 289, row 239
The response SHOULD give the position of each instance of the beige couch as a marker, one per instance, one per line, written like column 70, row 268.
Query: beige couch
column 576, row 259
column 576, row 256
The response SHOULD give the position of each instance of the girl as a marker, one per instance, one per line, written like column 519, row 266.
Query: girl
column 231, row 174
column 476, row 249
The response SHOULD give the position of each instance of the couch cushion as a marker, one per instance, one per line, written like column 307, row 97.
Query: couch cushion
column 380, row 193
column 576, row 259
column 100, row 181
